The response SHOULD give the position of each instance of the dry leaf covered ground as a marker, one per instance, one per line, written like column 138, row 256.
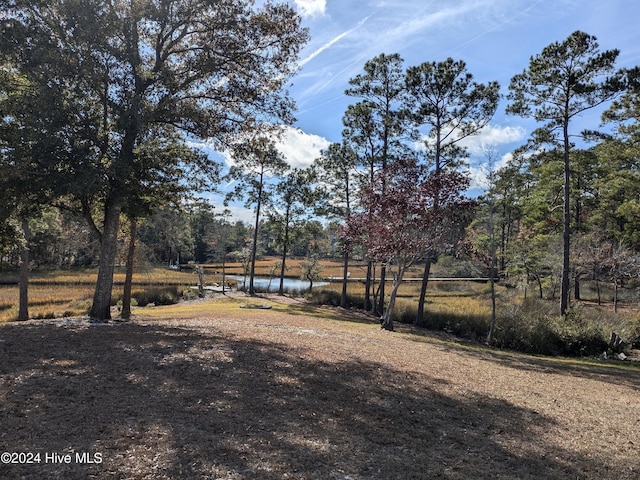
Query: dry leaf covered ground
column 214, row 391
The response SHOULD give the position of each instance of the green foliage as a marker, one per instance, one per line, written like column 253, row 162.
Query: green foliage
column 311, row 270
column 444, row 100
column 535, row 327
column 114, row 122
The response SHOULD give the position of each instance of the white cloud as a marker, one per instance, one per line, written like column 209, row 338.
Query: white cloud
column 488, row 142
column 479, row 173
column 493, row 136
column 311, row 8
column 299, row 148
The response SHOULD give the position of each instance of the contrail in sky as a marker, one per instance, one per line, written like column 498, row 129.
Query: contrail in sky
column 333, row 41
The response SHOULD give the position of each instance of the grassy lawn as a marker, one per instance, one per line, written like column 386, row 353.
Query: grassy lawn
column 209, row 390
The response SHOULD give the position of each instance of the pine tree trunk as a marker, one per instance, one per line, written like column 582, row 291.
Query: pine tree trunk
column 254, row 250
column 284, row 256
column 282, row 270
column 566, row 229
column 23, row 309
column 345, row 278
column 101, row 308
column 492, row 326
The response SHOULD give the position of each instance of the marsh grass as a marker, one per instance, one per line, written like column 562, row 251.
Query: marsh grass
column 461, row 308
column 67, row 293
column 47, row 301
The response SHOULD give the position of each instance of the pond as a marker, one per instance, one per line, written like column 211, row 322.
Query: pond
column 273, row 284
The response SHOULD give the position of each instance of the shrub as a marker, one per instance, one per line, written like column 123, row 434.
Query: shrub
column 189, row 294
column 531, row 326
column 322, row 296
column 405, row 311
column 156, row 295
column 631, row 333
column 527, row 332
column 535, row 327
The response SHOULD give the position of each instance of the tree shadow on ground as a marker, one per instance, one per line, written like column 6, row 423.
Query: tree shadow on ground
column 331, row 313
column 163, row 403
column 615, row 372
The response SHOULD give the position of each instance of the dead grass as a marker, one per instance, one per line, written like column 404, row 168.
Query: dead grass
column 208, row 390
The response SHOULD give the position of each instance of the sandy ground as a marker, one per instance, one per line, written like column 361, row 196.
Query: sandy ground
column 215, row 391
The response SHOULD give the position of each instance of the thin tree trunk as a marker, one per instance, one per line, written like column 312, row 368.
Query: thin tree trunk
column 224, row 279
column 254, row 248
column 284, row 258
column 383, row 274
column 128, row 279
column 387, row 319
column 419, row 321
column 367, row 287
column 492, row 326
column 374, row 292
column 539, row 285
column 345, row 279
column 566, row 230
column 23, row 309
column 101, row 307
column 492, row 270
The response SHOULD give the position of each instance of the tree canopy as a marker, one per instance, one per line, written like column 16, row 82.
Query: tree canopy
column 119, row 75
column 564, row 80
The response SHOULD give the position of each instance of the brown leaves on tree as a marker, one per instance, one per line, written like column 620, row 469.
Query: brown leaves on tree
column 406, row 211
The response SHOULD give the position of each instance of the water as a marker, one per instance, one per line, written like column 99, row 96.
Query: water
column 261, row 283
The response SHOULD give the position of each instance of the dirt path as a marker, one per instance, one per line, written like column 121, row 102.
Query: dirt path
column 214, row 391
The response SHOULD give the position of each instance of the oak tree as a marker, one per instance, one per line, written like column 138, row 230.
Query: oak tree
column 120, row 71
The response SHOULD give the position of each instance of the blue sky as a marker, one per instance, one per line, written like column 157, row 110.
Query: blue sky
column 495, row 38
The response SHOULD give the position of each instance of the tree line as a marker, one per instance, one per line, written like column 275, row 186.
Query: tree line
column 102, row 103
